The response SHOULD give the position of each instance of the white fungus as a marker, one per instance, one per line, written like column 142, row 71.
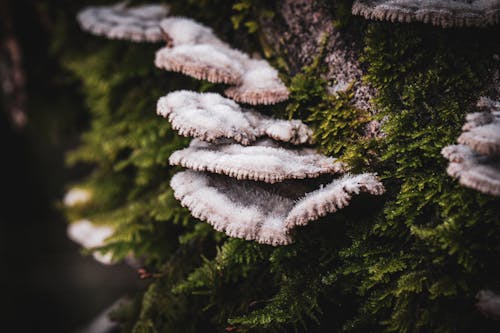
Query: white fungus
column 257, row 211
column 473, row 170
column 211, row 117
column 265, row 163
column 194, row 50
column 139, row 23
column 91, row 236
column 77, row 196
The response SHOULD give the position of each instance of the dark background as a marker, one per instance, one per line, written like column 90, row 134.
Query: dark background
column 46, row 285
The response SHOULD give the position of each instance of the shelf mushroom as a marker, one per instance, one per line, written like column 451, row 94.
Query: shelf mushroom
column 261, row 190
column 257, row 211
column 444, row 13
column 475, row 162
column 89, row 235
column 194, row 50
column 136, row 23
column 213, row 118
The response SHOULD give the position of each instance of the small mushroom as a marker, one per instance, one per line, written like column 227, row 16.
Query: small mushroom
column 257, row 211
column 472, row 170
column 90, row 236
column 263, row 162
column 201, row 61
column 76, row 197
column 211, row 117
column 185, row 31
column 260, row 84
column 332, row 197
column 139, row 24
column 481, row 136
column 444, row 13
column 194, row 50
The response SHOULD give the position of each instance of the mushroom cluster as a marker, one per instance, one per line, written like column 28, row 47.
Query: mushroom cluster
column 475, row 161
column 251, row 176
column 194, row 50
column 444, row 13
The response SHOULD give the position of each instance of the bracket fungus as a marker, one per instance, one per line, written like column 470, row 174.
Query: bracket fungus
column 257, row 211
column 260, row 190
column 482, row 133
column 259, row 162
column 476, row 160
column 85, row 233
column 136, row 23
column 473, row 170
column 194, row 50
column 213, row 118
column 444, row 13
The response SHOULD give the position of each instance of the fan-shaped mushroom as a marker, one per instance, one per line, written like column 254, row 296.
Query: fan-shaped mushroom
column 482, row 133
column 194, row 50
column 211, row 117
column 444, row 13
column 472, row 170
column 260, row 84
column 139, row 23
column 264, row 162
column 90, row 236
column 258, row 211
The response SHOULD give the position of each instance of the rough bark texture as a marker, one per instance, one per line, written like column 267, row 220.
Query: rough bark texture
column 301, row 29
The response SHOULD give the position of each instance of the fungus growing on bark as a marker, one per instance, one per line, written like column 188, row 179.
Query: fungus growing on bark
column 91, row 236
column 482, row 133
column 76, row 196
column 264, row 162
column 194, row 50
column 212, row 118
column 473, row 170
column 258, row 211
column 488, row 303
column 444, row 13
column 201, row 61
column 138, row 23
column 260, row 84
column 476, row 160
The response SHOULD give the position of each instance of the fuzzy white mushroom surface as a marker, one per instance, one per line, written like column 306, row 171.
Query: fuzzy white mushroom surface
column 262, row 212
column 262, row 162
column 211, row 117
column 136, row 23
column 89, row 235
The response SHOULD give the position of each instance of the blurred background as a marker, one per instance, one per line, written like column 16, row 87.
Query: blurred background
column 46, row 284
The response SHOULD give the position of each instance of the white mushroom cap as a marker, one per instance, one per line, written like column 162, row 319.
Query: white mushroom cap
column 256, row 211
column 265, row 163
column 194, row 50
column 90, row 236
column 185, row 31
column 478, row 172
column 444, row 13
column 201, row 61
column 77, row 196
column 139, row 24
column 260, row 85
column 211, row 117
